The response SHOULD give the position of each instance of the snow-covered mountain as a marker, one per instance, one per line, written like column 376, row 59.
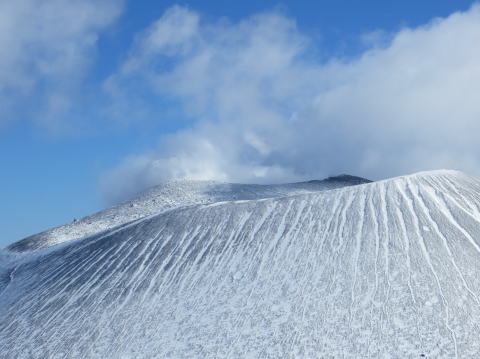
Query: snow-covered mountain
column 386, row 269
column 174, row 195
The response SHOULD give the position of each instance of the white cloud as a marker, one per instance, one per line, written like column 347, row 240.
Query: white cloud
column 265, row 111
column 45, row 47
column 170, row 35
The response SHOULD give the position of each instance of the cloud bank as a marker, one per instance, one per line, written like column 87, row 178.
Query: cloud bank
column 263, row 108
column 45, row 48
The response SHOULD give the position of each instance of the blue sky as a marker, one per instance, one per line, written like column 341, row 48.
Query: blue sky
column 97, row 102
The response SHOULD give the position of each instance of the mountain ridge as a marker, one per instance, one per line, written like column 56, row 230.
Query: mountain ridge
column 168, row 196
column 386, row 269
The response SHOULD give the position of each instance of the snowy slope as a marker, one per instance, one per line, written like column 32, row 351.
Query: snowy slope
column 387, row 270
column 174, row 195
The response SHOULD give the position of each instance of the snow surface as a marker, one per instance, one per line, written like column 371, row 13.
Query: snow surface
column 172, row 195
column 345, row 273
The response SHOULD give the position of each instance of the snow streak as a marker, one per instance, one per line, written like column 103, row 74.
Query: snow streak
column 385, row 269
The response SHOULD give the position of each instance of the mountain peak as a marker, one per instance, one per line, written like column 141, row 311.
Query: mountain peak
column 386, row 269
column 172, row 195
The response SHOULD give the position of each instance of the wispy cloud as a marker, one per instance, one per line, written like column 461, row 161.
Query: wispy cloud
column 45, row 48
column 263, row 109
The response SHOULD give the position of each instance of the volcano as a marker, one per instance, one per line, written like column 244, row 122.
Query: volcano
column 339, row 268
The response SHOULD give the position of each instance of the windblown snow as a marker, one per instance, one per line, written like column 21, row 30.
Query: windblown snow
column 378, row 270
